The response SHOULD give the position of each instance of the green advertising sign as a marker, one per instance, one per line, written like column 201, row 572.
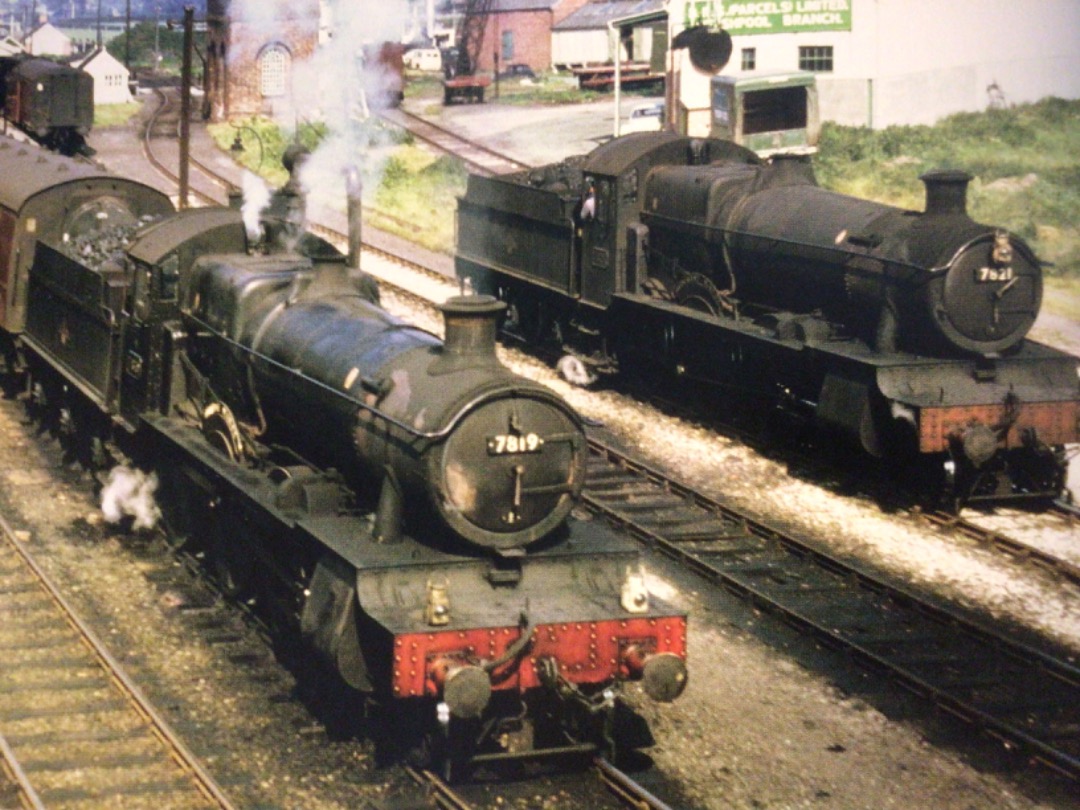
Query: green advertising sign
column 769, row 16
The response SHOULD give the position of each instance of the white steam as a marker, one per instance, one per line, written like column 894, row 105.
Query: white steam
column 340, row 84
column 130, row 493
column 256, row 198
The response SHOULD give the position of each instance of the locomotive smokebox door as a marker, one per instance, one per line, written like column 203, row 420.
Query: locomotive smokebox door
column 513, row 466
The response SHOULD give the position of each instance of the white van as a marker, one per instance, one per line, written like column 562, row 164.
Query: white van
column 426, row 59
column 645, row 118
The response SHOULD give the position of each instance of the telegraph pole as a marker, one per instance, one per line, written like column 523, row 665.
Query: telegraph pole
column 127, row 37
column 185, row 102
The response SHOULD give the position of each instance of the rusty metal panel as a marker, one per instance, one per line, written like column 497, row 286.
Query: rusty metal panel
column 587, row 652
column 1054, row 422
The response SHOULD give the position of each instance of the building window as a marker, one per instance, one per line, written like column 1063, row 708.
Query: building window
column 507, row 46
column 274, row 71
column 749, row 58
column 816, row 57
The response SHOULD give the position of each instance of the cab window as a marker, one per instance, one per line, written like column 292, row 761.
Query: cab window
column 169, row 281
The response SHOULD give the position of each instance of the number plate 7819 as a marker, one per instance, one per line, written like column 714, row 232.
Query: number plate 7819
column 506, row 444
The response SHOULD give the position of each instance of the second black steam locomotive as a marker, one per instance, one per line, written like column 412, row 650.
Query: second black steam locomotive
column 902, row 331
column 401, row 503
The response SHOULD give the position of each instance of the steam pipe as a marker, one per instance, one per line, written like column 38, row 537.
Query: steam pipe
column 353, row 188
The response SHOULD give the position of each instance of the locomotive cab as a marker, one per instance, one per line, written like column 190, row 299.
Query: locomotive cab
column 159, row 262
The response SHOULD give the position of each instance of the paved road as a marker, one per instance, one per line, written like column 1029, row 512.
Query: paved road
column 535, row 134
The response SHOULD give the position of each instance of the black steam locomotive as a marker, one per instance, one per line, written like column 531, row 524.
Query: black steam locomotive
column 51, row 102
column 902, row 331
column 400, row 503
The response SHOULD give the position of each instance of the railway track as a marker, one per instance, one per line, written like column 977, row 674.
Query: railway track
column 75, row 731
column 1012, row 692
column 162, row 122
column 476, row 155
column 1020, row 551
column 622, row 789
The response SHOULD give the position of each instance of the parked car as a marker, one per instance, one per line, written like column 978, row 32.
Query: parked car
column 517, row 70
column 426, row 59
column 645, row 118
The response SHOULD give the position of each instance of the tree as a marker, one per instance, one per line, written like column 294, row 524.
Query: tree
column 145, row 36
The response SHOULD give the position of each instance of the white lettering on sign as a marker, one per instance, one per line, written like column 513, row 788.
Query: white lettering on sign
column 746, row 22
column 753, row 8
column 510, row 444
column 992, row 274
column 823, row 18
column 807, row 6
column 768, row 16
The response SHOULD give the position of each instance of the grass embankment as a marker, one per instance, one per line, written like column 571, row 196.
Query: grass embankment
column 410, row 191
column 1025, row 162
column 114, row 115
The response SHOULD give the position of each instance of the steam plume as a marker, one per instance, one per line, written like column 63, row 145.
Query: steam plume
column 340, row 85
column 256, row 198
column 130, row 493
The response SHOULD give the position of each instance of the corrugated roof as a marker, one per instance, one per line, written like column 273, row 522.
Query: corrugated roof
column 598, row 14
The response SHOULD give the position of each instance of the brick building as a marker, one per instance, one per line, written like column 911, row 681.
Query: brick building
column 250, row 56
column 520, row 31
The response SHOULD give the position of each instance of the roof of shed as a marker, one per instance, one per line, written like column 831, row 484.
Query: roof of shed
column 600, row 12
column 500, row 6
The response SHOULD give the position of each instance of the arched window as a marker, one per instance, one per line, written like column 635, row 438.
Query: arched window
column 274, row 71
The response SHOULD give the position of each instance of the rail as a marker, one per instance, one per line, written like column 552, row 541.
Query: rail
column 164, row 766
column 482, row 158
column 1009, row 690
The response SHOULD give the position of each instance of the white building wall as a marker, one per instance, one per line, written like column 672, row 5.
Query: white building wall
column 580, row 47
column 48, row 41
column 594, row 47
column 915, row 61
column 110, row 80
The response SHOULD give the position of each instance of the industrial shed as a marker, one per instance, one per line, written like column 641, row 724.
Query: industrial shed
column 585, row 38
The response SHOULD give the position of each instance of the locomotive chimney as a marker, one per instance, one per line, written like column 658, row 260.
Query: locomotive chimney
column 353, row 188
column 946, row 191
column 471, row 322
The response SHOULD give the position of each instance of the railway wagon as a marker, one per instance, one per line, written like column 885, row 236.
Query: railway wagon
column 51, row 102
column 399, row 503
column 902, row 332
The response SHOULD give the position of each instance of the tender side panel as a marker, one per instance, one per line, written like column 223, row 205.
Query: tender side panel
column 587, row 652
column 515, row 230
column 72, row 320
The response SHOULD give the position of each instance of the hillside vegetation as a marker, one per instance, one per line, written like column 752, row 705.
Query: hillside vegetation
column 1025, row 161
